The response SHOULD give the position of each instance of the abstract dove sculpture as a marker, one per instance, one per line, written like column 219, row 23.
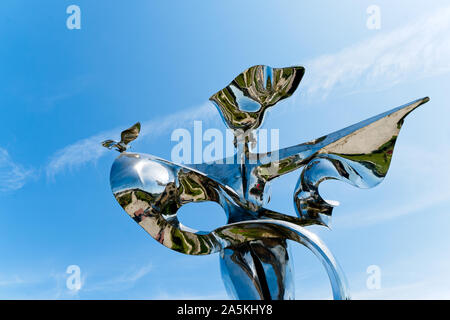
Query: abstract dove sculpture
column 253, row 246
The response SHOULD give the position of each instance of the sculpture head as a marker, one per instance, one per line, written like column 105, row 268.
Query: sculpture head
column 243, row 103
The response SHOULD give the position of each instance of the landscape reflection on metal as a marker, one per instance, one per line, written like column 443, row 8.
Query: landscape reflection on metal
column 253, row 245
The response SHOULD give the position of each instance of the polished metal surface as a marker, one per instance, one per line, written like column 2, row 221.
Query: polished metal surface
column 253, row 245
column 243, row 103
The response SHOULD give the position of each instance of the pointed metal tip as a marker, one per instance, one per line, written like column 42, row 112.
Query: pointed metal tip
column 421, row 101
column 300, row 68
column 417, row 103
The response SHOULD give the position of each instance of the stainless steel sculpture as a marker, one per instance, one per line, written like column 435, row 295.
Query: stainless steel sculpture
column 253, row 245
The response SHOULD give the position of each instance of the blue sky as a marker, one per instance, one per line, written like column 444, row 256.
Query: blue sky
column 64, row 91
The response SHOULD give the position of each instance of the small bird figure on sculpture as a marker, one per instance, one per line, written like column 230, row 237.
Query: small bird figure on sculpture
column 126, row 137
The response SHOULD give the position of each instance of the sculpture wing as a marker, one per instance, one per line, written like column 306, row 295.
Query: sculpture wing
column 360, row 155
column 130, row 134
column 126, row 137
column 109, row 144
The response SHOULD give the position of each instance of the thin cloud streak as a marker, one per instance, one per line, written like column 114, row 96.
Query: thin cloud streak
column 418, row 50
column 121, row 282
column 11, row 282
column 89, row 150
column 12, row 175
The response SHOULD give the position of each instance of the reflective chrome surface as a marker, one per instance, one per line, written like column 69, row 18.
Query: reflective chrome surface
column 244, row 101
column 253, row 246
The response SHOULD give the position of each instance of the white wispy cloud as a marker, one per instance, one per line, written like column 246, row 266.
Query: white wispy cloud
column 53, row 285
column 15, row 280
column 12, row 175
column 419, row 49
column 89, row 149
column 122, row 281
column 36, row 285
column 140, row 273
